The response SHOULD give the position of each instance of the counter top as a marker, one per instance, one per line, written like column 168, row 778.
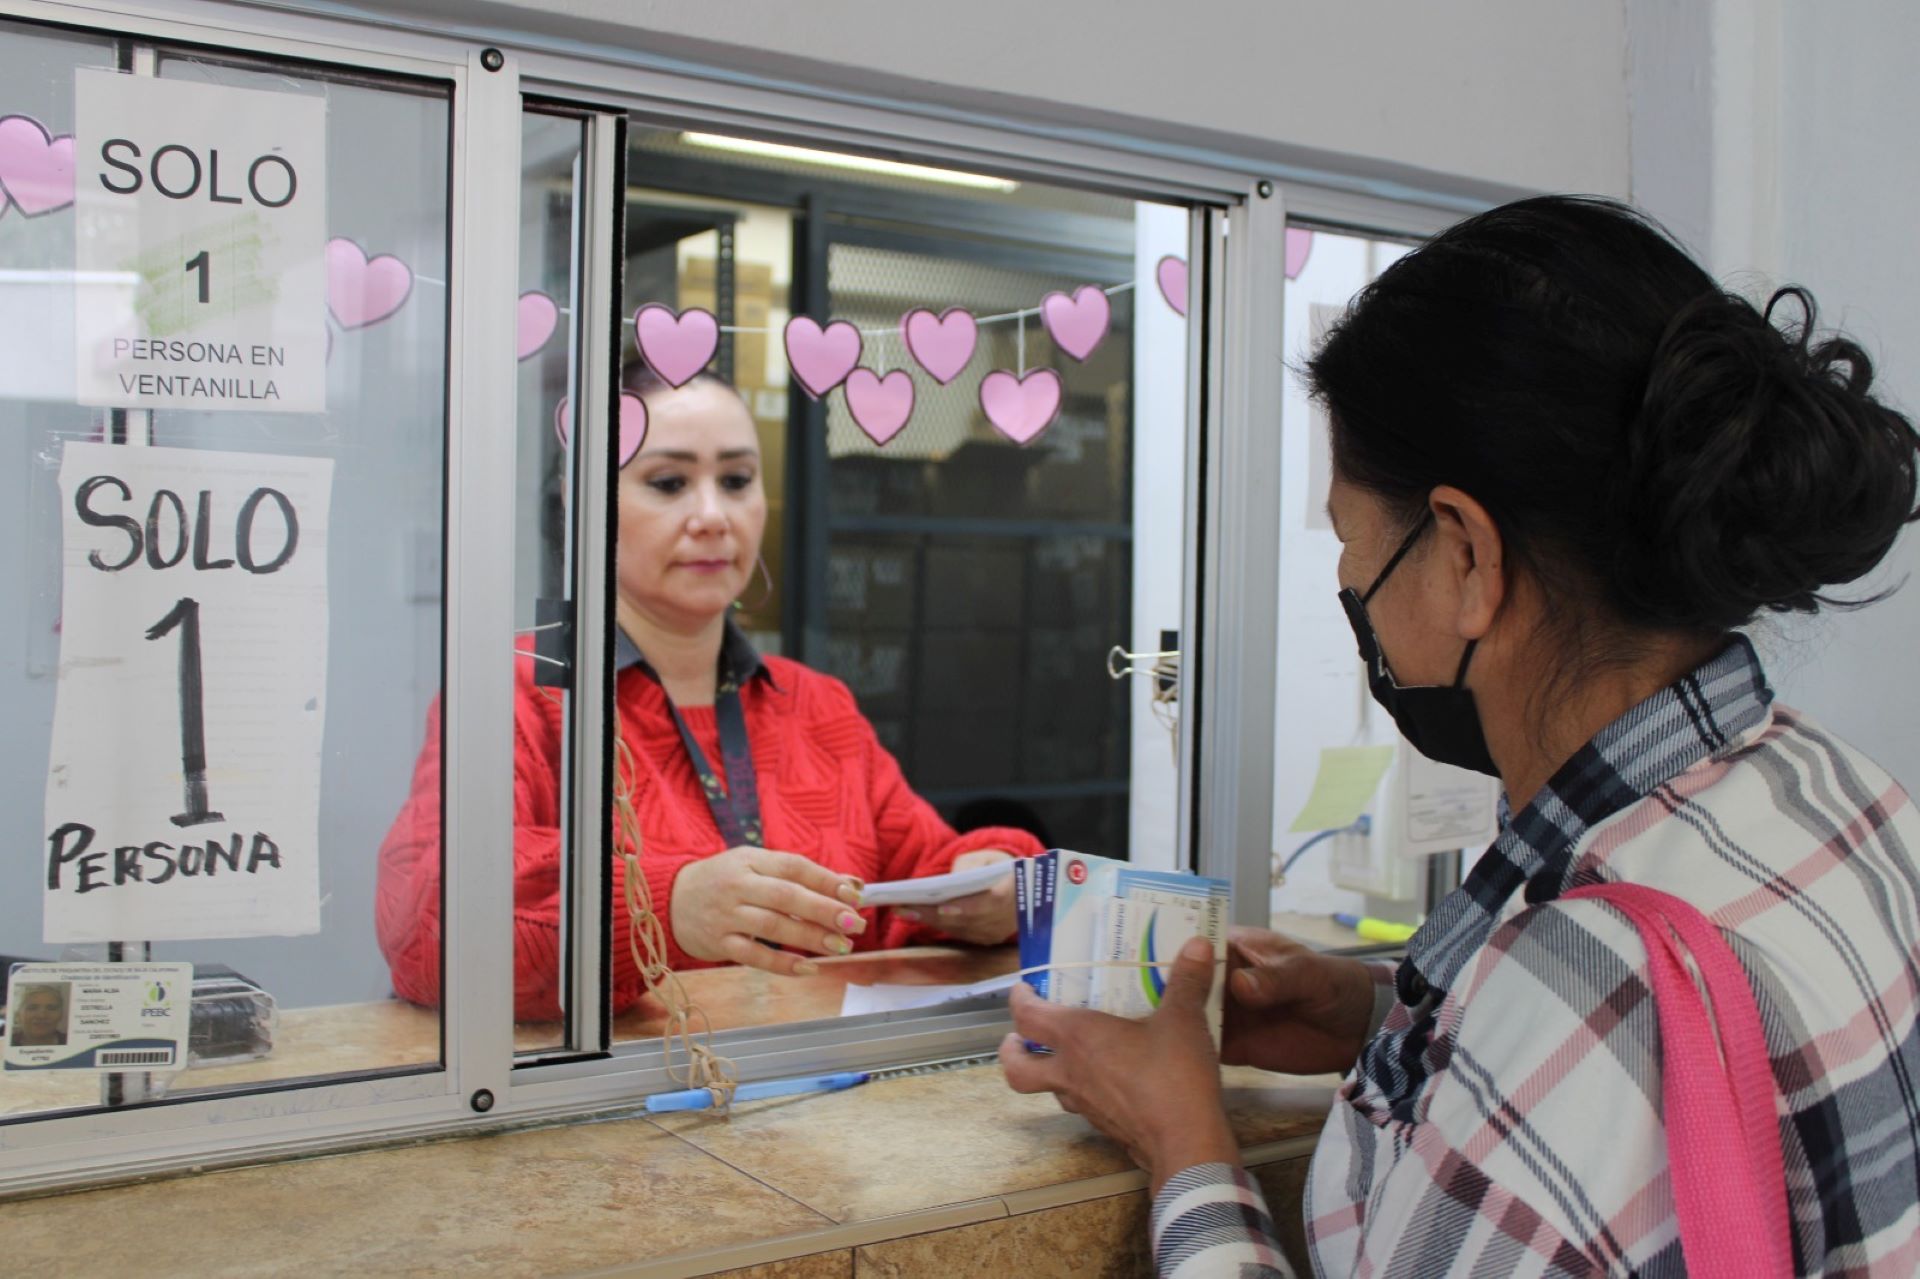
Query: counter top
column 790, row 1176
column 871, row 1169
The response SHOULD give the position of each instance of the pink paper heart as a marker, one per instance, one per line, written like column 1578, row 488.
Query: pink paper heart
column 1299, row 245
column 880, row 405
column 537, row 316
column 1172, row 274
column 1021, row 407
column 363, row 291
column 633, row 424
column 36, row 168
column 677, row 344
column 1078, row 322
column 942, row 344
column 821, row 358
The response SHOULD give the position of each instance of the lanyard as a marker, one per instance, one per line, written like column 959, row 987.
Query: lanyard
column 735, row 803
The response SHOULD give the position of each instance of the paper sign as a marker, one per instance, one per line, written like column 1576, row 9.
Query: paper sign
column 99, row 1016
column 1447, row 807
column 1341, row 792
column 184, row 782
column 208, row 206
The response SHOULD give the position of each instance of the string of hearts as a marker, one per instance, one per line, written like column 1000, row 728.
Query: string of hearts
column 37, row 175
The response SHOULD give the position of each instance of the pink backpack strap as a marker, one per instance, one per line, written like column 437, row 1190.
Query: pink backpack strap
column 1718, row 1095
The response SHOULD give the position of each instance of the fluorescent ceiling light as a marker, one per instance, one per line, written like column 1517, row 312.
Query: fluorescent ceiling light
column 833, row 159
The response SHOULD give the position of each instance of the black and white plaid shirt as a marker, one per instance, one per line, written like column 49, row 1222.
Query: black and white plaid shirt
column 1506, row 1119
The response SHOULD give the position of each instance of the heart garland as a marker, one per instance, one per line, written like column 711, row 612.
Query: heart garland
column 1078, row 323
column 1021, row 407
column 36, row 168
column 880, row 406
column 821, row 359
column 536, row 318
column 37, row 177
column 633, row 424
column 941, row 344
column 363, row 290
column 1171, row 274
column 677, row 344
column 1171, row 271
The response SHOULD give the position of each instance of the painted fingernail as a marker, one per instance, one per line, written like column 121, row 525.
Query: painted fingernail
column 805, row 968
column 911, row 916
column 850, row 923
column 839, row 945
column 848, row 893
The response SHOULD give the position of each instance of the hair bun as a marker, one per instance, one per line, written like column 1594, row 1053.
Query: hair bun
column 1758, row 471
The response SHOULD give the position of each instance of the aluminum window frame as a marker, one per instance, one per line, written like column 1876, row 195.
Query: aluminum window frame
column 1239, row 219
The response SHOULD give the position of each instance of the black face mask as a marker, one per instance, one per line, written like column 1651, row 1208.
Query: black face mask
column 1442, row 723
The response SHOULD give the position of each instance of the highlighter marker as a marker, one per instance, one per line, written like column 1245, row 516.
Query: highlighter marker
column 1380, row 930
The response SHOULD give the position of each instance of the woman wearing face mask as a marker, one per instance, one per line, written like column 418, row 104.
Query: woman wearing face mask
column 1567, row 469
column 762, row 796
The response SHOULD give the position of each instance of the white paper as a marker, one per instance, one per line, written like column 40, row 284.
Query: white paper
column 209, row 205
column 934, row 889
column 884, row 998
column 116, row 1017
column 136, row 848
column 1446, row 807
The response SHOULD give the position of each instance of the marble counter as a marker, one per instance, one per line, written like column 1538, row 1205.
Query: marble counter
column 942, row 1173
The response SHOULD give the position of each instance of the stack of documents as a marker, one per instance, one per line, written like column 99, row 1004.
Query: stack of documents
column 1103, row 933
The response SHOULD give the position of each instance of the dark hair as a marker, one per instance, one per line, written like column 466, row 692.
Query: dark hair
column 1641, row 436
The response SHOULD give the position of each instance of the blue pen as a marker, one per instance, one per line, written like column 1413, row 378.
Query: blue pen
column 703, row 1099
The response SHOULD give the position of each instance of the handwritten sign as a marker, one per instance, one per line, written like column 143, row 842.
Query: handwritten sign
column 183, row 787
column 206, row 207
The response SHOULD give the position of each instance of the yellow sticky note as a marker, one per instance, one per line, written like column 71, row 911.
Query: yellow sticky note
column 1348, row 777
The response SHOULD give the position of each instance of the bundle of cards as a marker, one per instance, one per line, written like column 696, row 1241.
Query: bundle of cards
column 1100, row 930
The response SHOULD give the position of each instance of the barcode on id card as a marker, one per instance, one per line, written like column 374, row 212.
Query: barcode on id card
column 135, row 1057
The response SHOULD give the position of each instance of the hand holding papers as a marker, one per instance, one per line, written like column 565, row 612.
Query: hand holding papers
column 1103, row 935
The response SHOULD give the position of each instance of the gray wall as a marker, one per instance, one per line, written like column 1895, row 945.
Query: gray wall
column 1526, row 92
column 1847, row 185
column 1775, row 139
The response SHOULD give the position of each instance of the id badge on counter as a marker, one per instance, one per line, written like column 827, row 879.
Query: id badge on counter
column 118, row 1017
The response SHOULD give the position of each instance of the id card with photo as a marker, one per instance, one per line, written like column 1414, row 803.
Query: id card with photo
column 117, row 1017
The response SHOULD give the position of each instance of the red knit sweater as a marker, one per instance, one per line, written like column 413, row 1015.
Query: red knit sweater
column 828, row 789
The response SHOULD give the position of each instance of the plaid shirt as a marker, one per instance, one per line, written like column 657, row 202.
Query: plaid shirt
column 1506, row 1119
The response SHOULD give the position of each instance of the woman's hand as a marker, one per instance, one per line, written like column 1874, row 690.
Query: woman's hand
column 1291, row 1009
column 985, row 918
column 724, row 906
column 1152, row 1085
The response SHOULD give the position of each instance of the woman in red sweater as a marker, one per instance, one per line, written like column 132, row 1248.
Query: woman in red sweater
column 763, row 798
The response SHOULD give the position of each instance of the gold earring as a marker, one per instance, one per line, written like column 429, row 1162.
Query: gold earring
column 766, row 592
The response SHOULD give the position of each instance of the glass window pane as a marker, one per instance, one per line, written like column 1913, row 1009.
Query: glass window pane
column 549, row 187
column 275, row 998
column 1322, row 683
column 961, row 564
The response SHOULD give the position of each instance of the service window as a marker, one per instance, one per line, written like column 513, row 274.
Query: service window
column 968, row 407
column 332, row 361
